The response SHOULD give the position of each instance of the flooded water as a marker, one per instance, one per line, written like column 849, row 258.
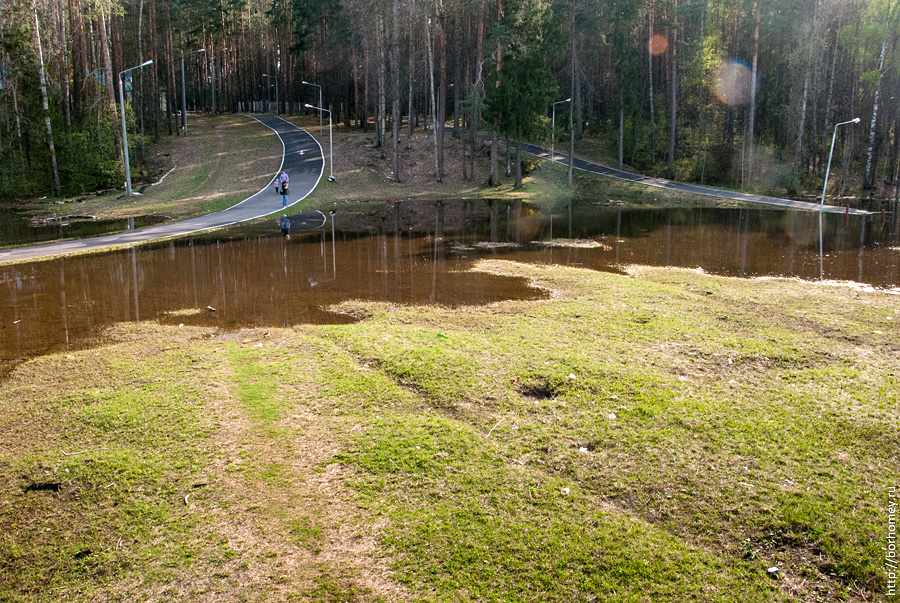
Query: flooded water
column 414, row 254
column 16, row 229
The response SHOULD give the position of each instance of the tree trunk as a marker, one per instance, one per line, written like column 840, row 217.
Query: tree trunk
column 354, row 75
column 412, row 70
column 572, row 95
column 476, row 94
column 494, row 177
column 170, row 93
column 63, row 41
column 46, row 103
column 869, row 180
column 442, row 97
column 365, row 111
column 380, row 117
column 812, row 39
column 621, row 125
column 79, row 58
column 650, row 81
column 674, row 101
column 140, row 73
column 395, row 90
column 107, row 66
column 830, row 97
column 751, row 126
column 437, row 165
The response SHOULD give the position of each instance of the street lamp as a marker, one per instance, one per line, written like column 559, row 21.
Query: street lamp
column 320, row 101
column 213, row 75
column 124, row 129
column 330, row 147
column 183, row 95
column 855, row 120
column 553, row 126
column 268, row 85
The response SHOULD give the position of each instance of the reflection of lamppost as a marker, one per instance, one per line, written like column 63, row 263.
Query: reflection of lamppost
column 320, row 101
column 183, row 95
column 855, row 120
column 333, row 255
column 330, row 146
column 553, row 126
column 213, row 75
column 124, row 129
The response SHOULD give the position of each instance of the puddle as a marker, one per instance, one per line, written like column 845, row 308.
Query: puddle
column 407, row 253
column 20, row 230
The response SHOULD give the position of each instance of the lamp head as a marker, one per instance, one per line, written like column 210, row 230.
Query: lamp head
column 855, row 120
column 308, row 105
column 145, row 63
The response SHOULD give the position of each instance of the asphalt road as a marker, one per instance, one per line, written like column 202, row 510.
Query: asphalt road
column 603, row 170
column 303, row 160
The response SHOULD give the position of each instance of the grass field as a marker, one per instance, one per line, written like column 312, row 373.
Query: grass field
column 661, row 435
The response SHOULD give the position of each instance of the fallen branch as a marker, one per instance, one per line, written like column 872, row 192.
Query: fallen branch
column 495, row 427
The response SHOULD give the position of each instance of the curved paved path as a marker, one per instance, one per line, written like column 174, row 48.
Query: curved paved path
column 303, row 160
column 603, row 170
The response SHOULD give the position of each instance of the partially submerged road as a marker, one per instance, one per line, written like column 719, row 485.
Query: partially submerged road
column 303, row 160
column 603, row 170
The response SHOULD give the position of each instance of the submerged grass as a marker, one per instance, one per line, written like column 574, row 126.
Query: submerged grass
column 656, row 436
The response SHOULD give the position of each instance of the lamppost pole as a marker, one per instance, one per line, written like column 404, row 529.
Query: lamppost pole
column 125, row 129
column 183, row 95
column 855, row 120
column 553, row 127
column 320, row 101
column 213, row 75
column 330, row 146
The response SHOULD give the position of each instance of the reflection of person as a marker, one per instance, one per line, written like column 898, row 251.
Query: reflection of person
column 285, row 227
column 283, row 185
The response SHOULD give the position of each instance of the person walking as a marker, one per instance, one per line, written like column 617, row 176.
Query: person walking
column 283, row 186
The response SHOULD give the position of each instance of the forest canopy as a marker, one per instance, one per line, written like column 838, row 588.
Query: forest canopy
column 744, row 93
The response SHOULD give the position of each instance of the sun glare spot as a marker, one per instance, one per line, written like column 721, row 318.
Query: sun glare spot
column 658, row 44
column 732, row 83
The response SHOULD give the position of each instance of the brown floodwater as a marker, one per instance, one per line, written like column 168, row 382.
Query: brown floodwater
column 410, row 254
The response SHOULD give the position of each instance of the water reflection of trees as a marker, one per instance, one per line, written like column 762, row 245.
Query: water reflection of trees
column 408, row 252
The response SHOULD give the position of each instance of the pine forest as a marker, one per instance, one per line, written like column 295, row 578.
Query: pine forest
column 739, row 93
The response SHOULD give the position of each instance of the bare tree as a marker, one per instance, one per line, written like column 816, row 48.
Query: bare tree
column 395, row 88
column 46, row 102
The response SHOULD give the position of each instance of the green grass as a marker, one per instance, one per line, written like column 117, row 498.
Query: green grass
column 662, row 435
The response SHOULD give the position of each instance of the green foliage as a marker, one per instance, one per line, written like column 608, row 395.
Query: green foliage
column 520, row 94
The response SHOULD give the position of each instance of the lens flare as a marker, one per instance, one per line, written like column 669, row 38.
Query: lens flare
column 658, row 44
column 732, row 84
